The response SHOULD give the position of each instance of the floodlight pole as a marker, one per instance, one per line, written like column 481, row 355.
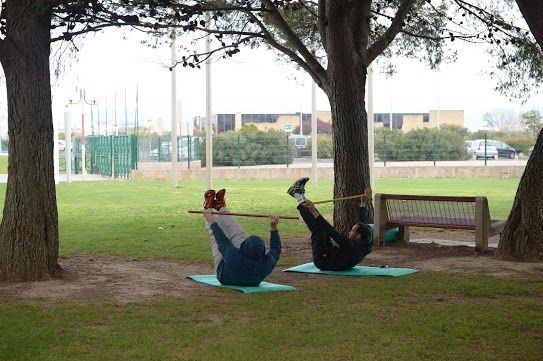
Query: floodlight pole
column 174, row 112
column 209, row 129
column 83, row 100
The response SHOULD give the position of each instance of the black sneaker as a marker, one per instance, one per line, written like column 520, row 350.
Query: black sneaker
column 298, row 187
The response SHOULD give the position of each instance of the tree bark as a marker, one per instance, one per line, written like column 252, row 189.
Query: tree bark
column 29, row 228
column 522, row 237
column 345, row 88
column 532, row 11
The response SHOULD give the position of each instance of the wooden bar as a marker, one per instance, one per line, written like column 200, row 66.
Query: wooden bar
column 338, row 199
column 246, row 215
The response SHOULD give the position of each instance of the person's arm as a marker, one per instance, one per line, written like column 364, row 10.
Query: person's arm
column 275, row 245
column 275, row 241
column 362, row 212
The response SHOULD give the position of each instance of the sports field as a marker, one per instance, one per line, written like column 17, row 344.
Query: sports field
column 428, row 315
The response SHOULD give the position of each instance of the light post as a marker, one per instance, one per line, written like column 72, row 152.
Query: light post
column 83, row 100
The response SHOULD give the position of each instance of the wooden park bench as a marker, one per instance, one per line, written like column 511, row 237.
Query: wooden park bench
column 404, row 211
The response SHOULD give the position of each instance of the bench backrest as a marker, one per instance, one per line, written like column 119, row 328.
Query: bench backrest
column 432, row 211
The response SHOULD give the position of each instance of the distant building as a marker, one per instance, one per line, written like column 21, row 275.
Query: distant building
column 404, row 121
column 410, row 121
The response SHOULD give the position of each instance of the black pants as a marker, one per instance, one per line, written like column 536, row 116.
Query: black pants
column 326, row 256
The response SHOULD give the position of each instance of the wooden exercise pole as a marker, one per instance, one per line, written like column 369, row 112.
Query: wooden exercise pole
column 339, row 199
column 247, row 215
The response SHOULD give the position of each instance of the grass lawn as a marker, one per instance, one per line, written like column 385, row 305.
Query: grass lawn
column 427, row 316
column 149, row 218
column 431, row 316
column 4, row 164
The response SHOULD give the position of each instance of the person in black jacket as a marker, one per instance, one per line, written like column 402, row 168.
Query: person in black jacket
column 348, row 250
column 239, row 260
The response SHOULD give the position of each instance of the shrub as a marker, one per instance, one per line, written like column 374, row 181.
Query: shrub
column 420, row 144
column 249, row 147
column 325, row 146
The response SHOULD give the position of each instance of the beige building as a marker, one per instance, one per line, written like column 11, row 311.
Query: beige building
column 287, row 122
column 410, row 121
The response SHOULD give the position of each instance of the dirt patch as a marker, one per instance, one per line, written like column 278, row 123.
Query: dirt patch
column 91, row 278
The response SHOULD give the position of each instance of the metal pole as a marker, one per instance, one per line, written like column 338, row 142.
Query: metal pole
column 371, row 140
column 83, row 154
column 239, row 152
column 486, row 136
column 434, row 151
column 98, row 109
column 189, row 150
column 125, row 114
column 68, row 140
column 115, row 114
column 174, row 112
column 385, row 151
column 286, row 152
column 106, row 116
column 209, row 130
column 136, row 130
column 438, row 112
column 314, row 125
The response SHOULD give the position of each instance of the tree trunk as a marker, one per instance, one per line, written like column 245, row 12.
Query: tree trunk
column 345, row 88
column 29, row 228
column 522, row 237
column 532, row 10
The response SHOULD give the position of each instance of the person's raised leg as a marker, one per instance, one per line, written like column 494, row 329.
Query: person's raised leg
column 229, row 224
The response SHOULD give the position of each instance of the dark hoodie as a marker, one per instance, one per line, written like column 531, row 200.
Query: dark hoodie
column 248, row 265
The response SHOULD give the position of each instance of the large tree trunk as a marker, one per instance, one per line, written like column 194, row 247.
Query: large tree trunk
column 345, row 88
column 522, row 237
column 29, row 228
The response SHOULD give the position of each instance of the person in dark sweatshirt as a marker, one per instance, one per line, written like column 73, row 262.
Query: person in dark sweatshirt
column 238, row 260
column 349, row 249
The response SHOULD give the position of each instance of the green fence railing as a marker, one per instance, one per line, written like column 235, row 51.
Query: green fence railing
column 107, row 155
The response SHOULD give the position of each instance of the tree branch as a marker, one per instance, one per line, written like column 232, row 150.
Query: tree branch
column 395, row 27
column 295, row 41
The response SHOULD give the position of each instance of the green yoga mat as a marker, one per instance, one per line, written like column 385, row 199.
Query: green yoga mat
column 262, row 287
column 355, row 271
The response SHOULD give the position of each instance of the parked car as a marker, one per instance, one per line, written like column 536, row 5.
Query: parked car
column 166, row 150
column 504, row 150
column 478, row 147
column 300, row 144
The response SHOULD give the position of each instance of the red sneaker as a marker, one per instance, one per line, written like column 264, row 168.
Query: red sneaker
column 209, row 199
column 219, row 199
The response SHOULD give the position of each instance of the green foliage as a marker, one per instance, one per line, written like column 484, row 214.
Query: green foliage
column 532, row 120
column 420, row 144
column 461, row 131
column 325, row 146
column 520, row 141
column 249, row 146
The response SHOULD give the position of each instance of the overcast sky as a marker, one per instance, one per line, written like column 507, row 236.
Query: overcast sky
column 254, row 82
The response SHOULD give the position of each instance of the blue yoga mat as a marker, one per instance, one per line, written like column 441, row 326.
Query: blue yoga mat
column 355, row 271
column 262, row 287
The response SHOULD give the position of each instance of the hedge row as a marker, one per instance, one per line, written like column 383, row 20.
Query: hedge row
column 249, row 147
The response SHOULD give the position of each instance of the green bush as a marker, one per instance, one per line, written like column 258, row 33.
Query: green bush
column 420, row 144
column 522, row 142
column 249, row 147
column 325, row 146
